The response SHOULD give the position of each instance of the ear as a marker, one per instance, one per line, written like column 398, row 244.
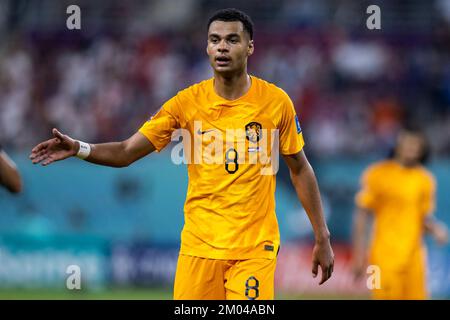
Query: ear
column 251, row 48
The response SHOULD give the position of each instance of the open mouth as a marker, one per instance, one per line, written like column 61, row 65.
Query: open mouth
column 223, row 60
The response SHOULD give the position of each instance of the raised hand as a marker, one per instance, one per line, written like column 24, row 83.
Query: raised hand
column 60, row 147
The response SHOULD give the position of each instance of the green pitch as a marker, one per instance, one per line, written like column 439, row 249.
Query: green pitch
column 109, row 294
column 128, row 294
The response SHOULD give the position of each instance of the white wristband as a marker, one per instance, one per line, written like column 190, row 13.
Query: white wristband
column 84, row 151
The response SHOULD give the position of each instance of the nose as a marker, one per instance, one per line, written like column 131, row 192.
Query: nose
column 222, row 47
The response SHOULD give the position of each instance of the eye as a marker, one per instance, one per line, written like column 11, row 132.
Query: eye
column 214, row 40
column 234, row 40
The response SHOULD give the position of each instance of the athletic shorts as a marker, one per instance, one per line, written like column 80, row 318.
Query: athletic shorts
column 409, row 284
column 211, row 279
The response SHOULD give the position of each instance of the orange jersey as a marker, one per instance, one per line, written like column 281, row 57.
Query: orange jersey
column 230, row 205
column 400, row 198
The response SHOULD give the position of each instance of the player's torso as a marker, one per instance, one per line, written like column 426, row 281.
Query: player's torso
column 399, row 217
column 400, row 187
column 231, row 146
column 230, row 207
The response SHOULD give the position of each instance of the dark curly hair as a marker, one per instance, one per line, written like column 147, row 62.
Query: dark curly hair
column 232, row 14
column 418, row 131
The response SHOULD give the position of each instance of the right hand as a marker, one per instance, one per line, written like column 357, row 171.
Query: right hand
column 58, row 148
column 323, row 256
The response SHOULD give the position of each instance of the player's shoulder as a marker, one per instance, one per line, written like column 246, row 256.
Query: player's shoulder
column 266, row 88
column 378, row 167
column 426, row 174
column 196, row 89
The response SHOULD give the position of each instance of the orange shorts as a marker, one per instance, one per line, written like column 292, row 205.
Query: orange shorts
column 407, row 284
column 210, row 279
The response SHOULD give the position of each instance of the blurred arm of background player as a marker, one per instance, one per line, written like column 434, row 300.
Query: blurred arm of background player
column 305, row 184
column 112, row 154
column 437, row 229
column 360, row 223
column 9, row 175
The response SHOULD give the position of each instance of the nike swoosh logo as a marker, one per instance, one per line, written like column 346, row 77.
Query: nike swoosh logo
column 203, row 132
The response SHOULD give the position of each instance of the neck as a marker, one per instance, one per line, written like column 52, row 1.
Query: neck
column 404, row 163
column 232, row 87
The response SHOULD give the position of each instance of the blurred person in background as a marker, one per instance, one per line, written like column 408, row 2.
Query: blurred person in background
column 9, row 174
column 230, row 240
column 399, row 193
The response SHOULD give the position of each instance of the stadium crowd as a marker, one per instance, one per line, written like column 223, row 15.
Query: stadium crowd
column 352, row 87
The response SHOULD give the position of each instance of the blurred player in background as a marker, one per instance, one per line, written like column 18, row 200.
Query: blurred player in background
column 9, row 175
column 230, row 239
column 400, row 194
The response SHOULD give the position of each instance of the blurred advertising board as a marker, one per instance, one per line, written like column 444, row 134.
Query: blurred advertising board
column 43, row 262
column 141, row 264
column 293, row 274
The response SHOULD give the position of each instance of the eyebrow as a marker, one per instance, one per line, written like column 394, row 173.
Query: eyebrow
column 230, row 35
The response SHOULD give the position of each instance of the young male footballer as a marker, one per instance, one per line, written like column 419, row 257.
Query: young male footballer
column 400, row 195
column 230, row 239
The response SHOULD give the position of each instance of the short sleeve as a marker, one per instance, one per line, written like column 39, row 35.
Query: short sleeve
column 161, row 125
column 291, row 135
column 429, row 195
column 367, row 196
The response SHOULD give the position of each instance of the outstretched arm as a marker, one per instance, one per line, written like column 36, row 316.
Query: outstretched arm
column 112, row 154
column 9, row 175
column 305, row 183
column 360, row 223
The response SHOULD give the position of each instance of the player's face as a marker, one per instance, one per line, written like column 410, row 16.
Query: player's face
column 229, row 46
column 409, row 148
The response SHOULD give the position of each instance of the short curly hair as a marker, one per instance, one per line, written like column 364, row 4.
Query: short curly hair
column 232, row 14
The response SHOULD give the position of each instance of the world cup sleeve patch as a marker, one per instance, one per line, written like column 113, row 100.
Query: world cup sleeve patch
column 297, row 123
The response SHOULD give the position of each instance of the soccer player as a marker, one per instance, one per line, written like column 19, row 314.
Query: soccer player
column 9, row 175
column 230, row 239
column 400, row 195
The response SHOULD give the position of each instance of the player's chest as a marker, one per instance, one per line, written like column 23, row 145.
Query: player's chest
column 252, row 121
column 401, row 188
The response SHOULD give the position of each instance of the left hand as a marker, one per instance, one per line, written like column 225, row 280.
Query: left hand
column 440, row 233
column 323, row 256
